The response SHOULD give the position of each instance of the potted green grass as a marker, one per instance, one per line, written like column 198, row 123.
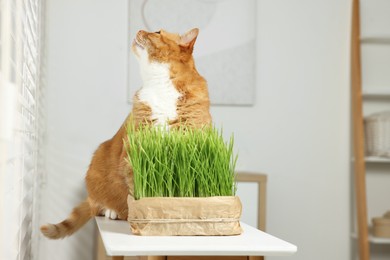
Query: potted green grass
column 184, row 182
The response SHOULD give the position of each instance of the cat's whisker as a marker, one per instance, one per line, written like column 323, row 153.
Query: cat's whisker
column 138, row 44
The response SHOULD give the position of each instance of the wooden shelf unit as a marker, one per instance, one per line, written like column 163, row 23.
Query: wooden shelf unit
column 359, row 159
column 375, row 240
column 377, row 92
column 374, row 159
column 376, row 39
column 358, row 135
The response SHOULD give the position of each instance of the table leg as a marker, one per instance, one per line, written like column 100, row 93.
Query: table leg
column 256, row 258
column 152, row 257
column 212, row 258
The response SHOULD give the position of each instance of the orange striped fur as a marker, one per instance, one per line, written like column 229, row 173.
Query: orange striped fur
column 169, row 59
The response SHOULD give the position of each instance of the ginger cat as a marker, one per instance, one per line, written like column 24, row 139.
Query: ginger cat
column 173, row 92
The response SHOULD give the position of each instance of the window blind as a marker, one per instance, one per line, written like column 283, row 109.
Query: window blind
column 21, row 125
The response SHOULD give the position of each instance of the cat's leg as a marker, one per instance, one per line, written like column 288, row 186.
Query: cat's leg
column 108, row 189
column 99, row 210
column 111, row 214
column 120, row 212
column 96, row 208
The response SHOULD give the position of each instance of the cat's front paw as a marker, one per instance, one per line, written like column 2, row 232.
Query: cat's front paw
column 111, row 214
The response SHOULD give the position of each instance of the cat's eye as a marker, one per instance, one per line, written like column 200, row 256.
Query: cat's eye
column 158, row 32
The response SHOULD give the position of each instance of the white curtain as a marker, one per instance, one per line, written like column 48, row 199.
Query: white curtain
column 21, row 125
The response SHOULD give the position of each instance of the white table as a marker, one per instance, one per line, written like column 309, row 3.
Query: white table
column 119, row 241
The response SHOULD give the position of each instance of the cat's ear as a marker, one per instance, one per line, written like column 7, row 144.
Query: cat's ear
column 188, row 39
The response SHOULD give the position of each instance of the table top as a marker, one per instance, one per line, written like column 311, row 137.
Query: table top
column 119, row 241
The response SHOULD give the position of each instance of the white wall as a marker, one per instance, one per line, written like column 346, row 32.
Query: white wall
column 298, row 131
column 86, row 94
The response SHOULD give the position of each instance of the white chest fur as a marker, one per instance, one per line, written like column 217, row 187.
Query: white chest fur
column 159, row 93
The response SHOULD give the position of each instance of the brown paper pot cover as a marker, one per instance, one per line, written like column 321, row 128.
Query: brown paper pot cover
column 161, row 216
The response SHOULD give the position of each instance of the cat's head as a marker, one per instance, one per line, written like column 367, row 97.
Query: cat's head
column 164, row 47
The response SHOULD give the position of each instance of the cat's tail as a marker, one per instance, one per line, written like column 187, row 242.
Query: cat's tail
column 79, row 216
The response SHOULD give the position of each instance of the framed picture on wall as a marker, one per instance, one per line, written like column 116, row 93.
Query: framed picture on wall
column 225, row 51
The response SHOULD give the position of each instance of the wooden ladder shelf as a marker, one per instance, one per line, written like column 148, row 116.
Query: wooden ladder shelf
column 358, row 135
